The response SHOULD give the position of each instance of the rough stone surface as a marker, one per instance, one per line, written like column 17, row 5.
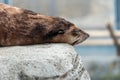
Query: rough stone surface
column 41, row 62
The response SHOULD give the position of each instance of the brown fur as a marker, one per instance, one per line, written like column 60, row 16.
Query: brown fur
column 24, row 27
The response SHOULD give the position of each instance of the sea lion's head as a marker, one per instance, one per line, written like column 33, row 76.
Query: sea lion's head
column 64, row 31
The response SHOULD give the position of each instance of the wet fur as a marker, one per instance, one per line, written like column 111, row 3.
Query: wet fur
column 24, row 27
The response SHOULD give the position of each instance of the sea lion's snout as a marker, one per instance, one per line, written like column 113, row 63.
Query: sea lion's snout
column 79, row 32
column 79, row 36
column 87, row 36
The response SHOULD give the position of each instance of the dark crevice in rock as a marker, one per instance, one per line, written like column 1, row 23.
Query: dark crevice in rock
column 23, row 76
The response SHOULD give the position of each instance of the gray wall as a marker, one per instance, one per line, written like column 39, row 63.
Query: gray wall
column 89, row 12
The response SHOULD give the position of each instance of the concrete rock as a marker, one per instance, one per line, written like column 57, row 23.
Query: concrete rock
column 41, row 62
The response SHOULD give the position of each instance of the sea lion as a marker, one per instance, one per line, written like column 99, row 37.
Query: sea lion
column 24, row 27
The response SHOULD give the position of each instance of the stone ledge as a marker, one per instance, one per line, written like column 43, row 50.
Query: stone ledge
column 41, row 62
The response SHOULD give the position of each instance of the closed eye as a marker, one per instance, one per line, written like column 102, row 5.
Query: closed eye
column 61, row 32
column 54, row 33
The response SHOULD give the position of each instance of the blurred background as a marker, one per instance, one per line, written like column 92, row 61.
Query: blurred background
column 100, row 18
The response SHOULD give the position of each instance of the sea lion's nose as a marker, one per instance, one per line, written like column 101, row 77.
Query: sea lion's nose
column 87, row 35
column 77, row 31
